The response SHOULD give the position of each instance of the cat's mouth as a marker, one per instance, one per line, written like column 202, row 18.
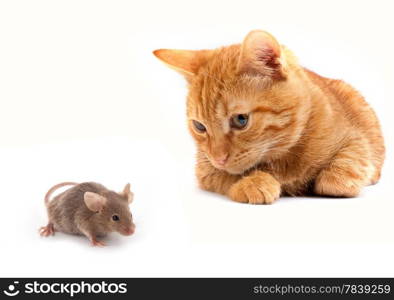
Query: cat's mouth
column 237, row 170
column 237, row 167
column 238, row 164
column 218, row 166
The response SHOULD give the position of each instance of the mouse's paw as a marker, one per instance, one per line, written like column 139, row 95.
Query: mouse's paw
column 96, row 243
column 257, row 188
column 47, row 230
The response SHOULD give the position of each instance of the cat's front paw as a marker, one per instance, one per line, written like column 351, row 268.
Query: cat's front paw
column 339, row 183
column 257, row 188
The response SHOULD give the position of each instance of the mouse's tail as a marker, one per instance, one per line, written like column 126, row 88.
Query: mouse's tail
column 54, row 188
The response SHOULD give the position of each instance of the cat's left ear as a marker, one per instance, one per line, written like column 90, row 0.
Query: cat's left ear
column 187, row 62
column 261, row 55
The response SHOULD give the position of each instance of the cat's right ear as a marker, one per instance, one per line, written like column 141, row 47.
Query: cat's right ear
column 261, row 55
column 187, row 62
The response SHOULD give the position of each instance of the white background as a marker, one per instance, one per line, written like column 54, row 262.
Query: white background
column 83, row 99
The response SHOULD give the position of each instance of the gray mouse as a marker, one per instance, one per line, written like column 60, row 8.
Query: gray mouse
column 89, row 209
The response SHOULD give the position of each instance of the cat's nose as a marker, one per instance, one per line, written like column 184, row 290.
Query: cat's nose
column 221, row 160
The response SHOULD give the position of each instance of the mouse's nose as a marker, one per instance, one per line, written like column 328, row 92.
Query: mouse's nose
column 130, row 230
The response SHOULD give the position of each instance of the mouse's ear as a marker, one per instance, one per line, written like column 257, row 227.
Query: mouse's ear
column 127, row 193
column 94, row 202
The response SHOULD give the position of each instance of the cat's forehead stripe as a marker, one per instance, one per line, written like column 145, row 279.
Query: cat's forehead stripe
column 210, row 95
column 213, row 82
column 272, row 110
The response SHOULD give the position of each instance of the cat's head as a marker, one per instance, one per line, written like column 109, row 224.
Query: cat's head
column 244, row 105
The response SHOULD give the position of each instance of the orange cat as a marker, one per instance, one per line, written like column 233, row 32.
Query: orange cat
column 264, row 126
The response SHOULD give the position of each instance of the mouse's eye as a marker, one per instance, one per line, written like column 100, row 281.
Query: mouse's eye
column 115, row 218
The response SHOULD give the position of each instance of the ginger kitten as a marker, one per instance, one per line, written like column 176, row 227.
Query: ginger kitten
column 264, row 126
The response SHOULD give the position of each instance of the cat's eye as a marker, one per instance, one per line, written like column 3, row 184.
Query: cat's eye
column 199, row 127
column 115, row 218
column 239, row 121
